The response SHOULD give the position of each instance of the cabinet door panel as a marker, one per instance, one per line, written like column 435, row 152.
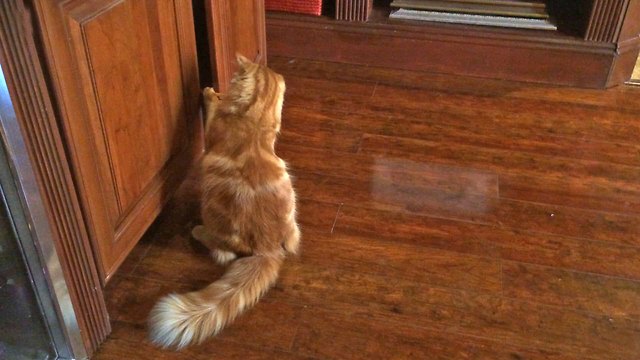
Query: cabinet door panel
column 126, row 75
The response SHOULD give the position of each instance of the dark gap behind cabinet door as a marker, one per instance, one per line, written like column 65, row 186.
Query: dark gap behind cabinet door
column 207, row 74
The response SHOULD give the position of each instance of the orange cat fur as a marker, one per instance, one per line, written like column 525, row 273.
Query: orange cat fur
column 247, row 207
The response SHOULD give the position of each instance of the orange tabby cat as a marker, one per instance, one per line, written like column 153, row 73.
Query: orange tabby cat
column 248, row 208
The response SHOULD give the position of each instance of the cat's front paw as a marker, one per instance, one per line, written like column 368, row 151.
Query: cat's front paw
column 208, row 93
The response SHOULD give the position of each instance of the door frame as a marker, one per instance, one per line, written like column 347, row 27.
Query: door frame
column 36, row 122
column 31, row 227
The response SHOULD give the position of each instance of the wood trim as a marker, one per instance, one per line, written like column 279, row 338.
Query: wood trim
column 217, row 25
column 71, row 100
column 223, row 35
column 353, row 10
column 631, row 25
column 622, row 67
column 262, row 32
column 442, row 48
column 36, row 117
column 535, row 56
column 606, row 20
column 628, row 44
column 189, row 63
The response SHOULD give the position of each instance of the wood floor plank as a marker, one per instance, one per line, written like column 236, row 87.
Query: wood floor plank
column 396, row 171
column 540, row 218
column 320, row 138
column 415, row 99
column 576, row 177
column 380, row 299
column 606, row 125
column 548, row 183
column 624, row 177
column 326, row 99
column 571, row 289
column 621, row 96
column 188, row 264
column 363, row 88
column 445, row 128
column 569, row 191
column 129, row 341
column 420, row 264
column 134, row 297
column 491, row 241
column 339, row 336
column 434, row 197
column 316, row 215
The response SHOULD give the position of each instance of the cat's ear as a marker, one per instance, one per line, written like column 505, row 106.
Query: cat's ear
column 243, row 62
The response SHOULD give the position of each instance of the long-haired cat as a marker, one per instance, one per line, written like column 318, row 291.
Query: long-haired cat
column 247, row 207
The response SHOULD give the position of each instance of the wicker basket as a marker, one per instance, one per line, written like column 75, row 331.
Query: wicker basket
column 312, row 7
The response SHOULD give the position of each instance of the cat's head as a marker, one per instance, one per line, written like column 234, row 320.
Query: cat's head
column 257, row 92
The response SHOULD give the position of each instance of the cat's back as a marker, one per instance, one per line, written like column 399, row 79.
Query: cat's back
column 245, row 181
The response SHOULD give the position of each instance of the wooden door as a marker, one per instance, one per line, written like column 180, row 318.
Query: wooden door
column 235, row 26
column 125, row 77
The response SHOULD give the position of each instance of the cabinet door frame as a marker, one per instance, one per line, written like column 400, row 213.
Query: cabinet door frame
column 28, row 81
column 34, row 156
column 75, row 185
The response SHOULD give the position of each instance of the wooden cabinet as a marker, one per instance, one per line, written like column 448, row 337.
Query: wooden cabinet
column 107, row 99
column 126, row 79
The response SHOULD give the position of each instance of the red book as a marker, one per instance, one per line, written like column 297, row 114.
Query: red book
column 311, row 7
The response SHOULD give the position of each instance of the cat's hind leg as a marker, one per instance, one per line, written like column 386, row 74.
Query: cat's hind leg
column 292, row 242
column 220, row 256
column 223, row 257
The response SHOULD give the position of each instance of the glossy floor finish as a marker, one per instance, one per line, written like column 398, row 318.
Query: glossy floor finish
column 443, row 218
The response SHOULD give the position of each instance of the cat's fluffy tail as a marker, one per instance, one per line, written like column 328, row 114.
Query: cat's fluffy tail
column 180, row 320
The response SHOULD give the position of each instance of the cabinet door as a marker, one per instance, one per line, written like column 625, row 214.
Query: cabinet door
column 126, row 81
column 235, row 26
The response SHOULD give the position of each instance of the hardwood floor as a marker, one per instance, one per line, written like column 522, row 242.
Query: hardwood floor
column 443, row 218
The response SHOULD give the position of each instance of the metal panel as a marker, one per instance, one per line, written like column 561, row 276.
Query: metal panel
column 33, row 230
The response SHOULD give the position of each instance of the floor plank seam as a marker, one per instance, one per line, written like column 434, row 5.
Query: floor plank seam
column 295, row 332
column 336, row 219
column 141, row 258
column 606, row 276
column 359, row 149
column 501, row 278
